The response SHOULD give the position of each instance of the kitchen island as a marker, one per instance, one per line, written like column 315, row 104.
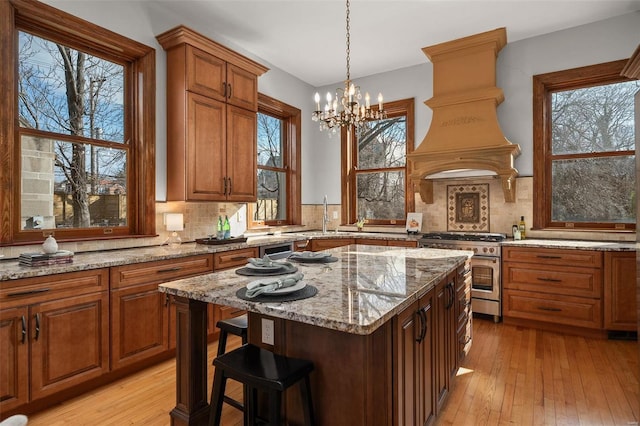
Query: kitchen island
column 350, row 329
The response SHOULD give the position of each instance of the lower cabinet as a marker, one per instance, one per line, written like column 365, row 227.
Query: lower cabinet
column 329, row 243
column 620, row 303
column 446, row 338
column 140, row 315
column 427, row 351
column 414, row 345
column 53, row 334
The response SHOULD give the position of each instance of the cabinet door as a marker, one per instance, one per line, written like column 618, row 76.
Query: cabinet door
column 14, row 358
column 206, row 74
column 242, row 88
column 620, row 306
column 241, row 155
column 139, row 316
column 407, row 366
column 69, row 342
column 427, row 403
column 445, row 339
column 206, row 149
column 402, row 243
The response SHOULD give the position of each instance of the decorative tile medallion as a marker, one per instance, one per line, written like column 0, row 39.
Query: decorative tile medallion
column 468, row 208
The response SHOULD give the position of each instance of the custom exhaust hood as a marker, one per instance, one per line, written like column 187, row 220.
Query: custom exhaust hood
column 465, row 138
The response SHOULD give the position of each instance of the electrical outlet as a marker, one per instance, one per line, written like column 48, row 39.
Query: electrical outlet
column 267, row 331
column 335, row 215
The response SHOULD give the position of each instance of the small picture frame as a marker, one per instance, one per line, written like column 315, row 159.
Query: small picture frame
column 414, row 223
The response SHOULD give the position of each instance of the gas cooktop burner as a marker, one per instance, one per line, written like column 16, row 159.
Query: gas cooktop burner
column 464, row 236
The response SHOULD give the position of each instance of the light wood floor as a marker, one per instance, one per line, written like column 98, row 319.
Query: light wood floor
column 513, row 376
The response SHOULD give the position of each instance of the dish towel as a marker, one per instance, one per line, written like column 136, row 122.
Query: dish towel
column 258, row 287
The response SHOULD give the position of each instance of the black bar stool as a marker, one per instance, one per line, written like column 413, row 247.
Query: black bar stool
column 238, row 327
column 259, row 369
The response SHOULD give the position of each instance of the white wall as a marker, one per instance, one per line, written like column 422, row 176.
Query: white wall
column 603, row 41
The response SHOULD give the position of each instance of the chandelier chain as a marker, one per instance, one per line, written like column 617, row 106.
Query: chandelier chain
column 348, row 44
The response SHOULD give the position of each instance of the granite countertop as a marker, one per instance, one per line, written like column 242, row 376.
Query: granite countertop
column 366, row 287
column 10, row 269
column 573, row 244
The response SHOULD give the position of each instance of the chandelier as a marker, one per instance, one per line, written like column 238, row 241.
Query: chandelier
column 344, row 109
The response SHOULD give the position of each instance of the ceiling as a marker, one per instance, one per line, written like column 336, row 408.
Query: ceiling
column 306, row 38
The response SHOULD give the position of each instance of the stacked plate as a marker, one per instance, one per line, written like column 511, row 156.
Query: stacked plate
column 261, row 268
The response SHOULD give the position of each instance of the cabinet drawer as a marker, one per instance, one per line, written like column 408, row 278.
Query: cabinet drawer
column 160, row 271
column 402, row 243
column 52, row 287
column 302, row 245
column 583, row 282
column 574, row 311
column 226, row 312
column 584, row 258
column 371, row 241
column 329, row 243
column 232, row 258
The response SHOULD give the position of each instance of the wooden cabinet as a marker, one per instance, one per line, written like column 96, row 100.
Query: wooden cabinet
column 620, row 303
column 302, row 245
column 140, row 315
column 211, row 119
column 371, row 241
column 329, row 243
column 402, row 243
column 464, row 330
column 414, row 402
column 446, row 338
column 54, row 334
column 553, row 286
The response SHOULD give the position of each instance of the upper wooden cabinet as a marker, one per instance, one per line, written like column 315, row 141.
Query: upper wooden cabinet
column 212, row 99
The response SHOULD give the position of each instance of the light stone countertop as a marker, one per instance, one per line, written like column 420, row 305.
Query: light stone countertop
column 10, row 269
column 573, row 244
column 366, row 287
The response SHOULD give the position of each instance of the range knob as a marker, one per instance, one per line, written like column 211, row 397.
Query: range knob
column 491, row 250
column 484, row 249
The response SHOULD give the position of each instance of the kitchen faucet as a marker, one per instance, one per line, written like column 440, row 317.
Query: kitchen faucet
column 325, row 215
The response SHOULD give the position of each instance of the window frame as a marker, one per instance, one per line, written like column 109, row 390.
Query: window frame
column 543, row 86
column 291, row 121
column 349, row 161
column 47, row 22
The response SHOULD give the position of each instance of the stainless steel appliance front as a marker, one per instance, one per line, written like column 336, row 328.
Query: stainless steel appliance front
column 486, row 297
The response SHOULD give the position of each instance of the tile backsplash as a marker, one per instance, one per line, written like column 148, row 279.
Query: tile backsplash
column 200, row 219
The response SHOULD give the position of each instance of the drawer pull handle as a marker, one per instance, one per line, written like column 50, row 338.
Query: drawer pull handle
column 235, row 258
column 546, row 256
column 465, row 341
column 24, row 329
column 545, row 308
column 550, row 280
column 164, row 271
column 37, row 327
column 28, row 293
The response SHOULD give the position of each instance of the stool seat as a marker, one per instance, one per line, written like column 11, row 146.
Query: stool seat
column 235, row 325
column 260, row 370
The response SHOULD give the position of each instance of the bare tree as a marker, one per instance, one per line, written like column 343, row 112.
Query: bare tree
column 68, row 92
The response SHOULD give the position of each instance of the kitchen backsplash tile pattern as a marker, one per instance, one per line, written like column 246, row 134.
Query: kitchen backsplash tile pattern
column 200, row 219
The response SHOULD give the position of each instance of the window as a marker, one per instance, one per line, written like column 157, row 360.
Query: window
column 278, row 164
column 584, row 149
column 375, row 184
column 80, row 142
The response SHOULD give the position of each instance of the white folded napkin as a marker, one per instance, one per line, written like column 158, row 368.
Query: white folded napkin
column 256, row 288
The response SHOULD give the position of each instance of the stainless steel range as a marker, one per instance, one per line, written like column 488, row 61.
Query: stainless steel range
column 486, row 295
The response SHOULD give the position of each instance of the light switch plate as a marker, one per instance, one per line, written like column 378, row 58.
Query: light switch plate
column 335, row 215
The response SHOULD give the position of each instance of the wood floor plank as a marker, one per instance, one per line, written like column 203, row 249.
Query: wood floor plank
column 512, row 376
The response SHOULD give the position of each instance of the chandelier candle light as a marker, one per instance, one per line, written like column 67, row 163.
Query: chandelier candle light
column 344, row 110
